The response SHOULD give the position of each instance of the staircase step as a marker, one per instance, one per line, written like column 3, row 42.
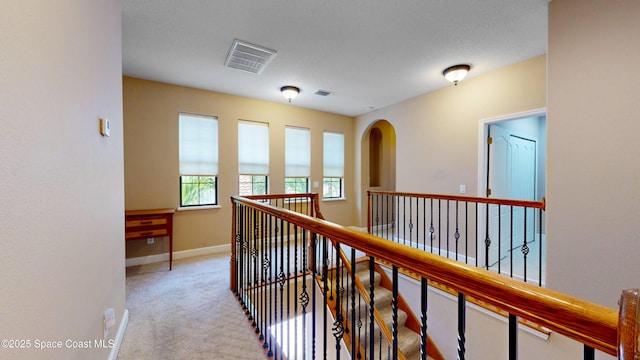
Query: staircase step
column 363, row 274
column 387, row 315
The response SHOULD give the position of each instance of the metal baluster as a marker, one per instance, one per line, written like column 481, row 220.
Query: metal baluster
column 511, row 225
column 448, row 212
column 589, row 353
column 417, row 224
column 394, row 219
column 424, row 224
column 487, row 239
column 246, row 241
column 359, row 323
column 304, row 296
column 513, row 337
column 288, row 282
column 404, row 220
column 325, row 267
column 281, row 280
column 466, row 232
column 353, row 300
column 525, row 248
column 477, row 234
column 274, row 291
column 410, row 221
column 540, row 247
column 376, row 201
column 385, row 216
column 431, row 229
column 424, row 292
column 295, row 284
column 314, row 242
column 461, row 325
column 456, row 234
column 394, row 309
column 254, row 284
column 262, row 304
column 338, row 324
column 371, row 305
column 269, row 313
column 439, row 226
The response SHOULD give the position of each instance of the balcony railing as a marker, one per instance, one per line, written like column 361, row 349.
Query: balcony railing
column 305, row 300
column 501, row 235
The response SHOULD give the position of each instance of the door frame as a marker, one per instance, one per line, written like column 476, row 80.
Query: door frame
column 483, row 131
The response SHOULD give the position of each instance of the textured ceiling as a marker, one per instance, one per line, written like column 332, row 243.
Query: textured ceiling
column 367, row 53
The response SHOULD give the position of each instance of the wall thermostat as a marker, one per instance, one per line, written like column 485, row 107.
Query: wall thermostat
column 105, row 127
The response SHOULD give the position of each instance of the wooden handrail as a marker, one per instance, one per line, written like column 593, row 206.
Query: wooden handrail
column 629, row 325
column 474, row 199
column 588, row 323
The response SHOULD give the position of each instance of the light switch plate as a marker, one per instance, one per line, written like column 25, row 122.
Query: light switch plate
column 105, row 127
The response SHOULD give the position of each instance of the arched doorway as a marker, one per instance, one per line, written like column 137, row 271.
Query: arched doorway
column 378, row 160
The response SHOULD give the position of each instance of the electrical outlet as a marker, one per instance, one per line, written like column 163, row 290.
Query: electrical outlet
column 108, row 320
column 150, row 241
column 463, row 189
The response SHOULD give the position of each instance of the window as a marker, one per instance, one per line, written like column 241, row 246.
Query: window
column 253, row 157
column 297, row 160
column 333, row 165
column 252, row 185
column 293, row 185
column 198, row 156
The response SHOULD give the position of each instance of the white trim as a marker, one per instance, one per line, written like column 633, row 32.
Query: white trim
column 177, row 255
column 334, row 199
column 113, row 355
column 201, row 207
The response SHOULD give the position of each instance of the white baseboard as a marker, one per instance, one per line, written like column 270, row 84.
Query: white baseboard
column 177, row 255
column 113, row 355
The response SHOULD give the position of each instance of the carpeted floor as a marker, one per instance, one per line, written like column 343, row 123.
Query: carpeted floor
column 186, row 313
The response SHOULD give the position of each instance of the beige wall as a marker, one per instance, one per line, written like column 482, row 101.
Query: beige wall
column 61, row 215
column 151, row 156
column 593, row 167
column 437, row 133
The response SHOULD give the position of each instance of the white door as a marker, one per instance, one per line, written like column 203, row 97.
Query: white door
column 512, row 175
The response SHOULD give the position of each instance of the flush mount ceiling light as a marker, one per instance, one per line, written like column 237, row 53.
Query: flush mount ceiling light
column 289, row 92
column 456, row 73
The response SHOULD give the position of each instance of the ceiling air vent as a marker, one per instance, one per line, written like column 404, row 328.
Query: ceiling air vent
column 322, row 92
column 248, row 57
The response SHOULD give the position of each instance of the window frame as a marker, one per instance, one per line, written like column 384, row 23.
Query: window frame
column 296, row 179
column 199, row 204
column 340, row 187
column 253, row 183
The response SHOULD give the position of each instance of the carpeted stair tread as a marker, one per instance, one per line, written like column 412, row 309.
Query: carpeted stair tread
column 387, row 315
column 364, row 274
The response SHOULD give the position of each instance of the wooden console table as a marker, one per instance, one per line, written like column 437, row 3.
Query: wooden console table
column 142, row 224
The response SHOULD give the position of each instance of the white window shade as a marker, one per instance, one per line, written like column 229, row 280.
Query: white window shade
column 253, row 148
column 333, row 154
column 297, row 156
column 198, row 145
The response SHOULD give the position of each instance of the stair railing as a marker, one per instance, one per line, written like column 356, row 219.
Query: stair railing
column 279, row 254
column 502, row 235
